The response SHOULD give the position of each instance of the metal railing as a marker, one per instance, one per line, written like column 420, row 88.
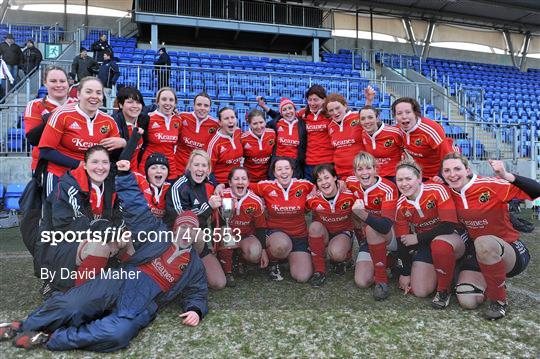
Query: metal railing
column 240, row 10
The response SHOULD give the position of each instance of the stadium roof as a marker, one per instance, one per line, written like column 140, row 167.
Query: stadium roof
column 517, row 15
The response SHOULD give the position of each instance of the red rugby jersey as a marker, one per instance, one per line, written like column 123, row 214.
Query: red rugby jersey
column 71, row 132
column 432, row 206
column 287, row 138
column 248, row 213
column 386, row 145
column 257, row 153
column 95, row 192
column 225, row 153
column 285, row 207
column 163, row 134
column 334, row 214
column 426, row 143
column 482, row 207
column 167, row 269
column 319, row 147
column 380, row 199
column 346, row 140
column 33, row 118
column 154, row 196
column 195, row 135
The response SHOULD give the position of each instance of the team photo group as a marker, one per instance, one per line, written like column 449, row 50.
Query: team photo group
column 299, row 191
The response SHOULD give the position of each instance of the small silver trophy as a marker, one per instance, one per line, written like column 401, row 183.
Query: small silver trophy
column 227, row 213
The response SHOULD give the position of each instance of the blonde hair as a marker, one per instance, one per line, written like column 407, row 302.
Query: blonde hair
column 201, row 153
column 410, row 164
column 364, row 159
column 456, row 156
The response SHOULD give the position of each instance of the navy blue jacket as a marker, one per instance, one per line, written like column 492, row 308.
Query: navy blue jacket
column 109, row 73
column 139, row 219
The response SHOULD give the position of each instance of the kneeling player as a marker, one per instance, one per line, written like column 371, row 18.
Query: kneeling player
column 285, row 200
column 375, row 207
column 482, row 207
column 247, row 224
column 332, row 223
column 429, row 253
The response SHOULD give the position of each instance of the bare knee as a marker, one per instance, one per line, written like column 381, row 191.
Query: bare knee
column 363, row 281
column 421, row 290
column 486, row 248
column 217, row 282
column 336, row 254
column 316, row 229
column 252, row 253
column 301, row 277
column 280, row 248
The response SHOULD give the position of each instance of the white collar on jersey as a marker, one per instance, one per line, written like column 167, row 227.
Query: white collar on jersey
column 89, row 120
column 54, row 102
column 418, row 122
column 416, row 202
column 379, row 130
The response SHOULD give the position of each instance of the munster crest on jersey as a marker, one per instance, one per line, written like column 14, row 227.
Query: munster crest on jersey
column 388, row 143
column 250, row 210
column 298, row 193
column 176, row 125
column 104, row 129
column 484, row 197
column 418, row 142
column 346, row 205
column 430, row 204
column 271, row 142
column 377, row 201
column 355, row 123
column 211, row 130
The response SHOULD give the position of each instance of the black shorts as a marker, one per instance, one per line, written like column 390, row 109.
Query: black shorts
column 345, row 232
column 299, row 244
column 523, row 257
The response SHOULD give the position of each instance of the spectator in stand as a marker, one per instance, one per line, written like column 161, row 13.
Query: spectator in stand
column 31, row 57
column 108, row 75
column 163, row 64
column 99, row 47
column 12, row 55
column 5, row 76
column 83, row 65
column 73, row 85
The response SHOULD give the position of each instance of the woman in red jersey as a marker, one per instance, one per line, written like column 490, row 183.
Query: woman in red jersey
column 383, row 141
column 225, row 148
column 423, row 139
column 74, row 128
column 36, row 113
column 291, row 137
column 497, row 253
column 345, row 134
column 332, row 226
column 285, row 201
column 154, row 183
column 162, row 131
column 130, row 104
column 375, row 208
column 427, row 232
column 319, row 147
column 258, row 143
column 248, row 226
column 198, row 128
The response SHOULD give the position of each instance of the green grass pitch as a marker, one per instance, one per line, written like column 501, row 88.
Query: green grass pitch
column 260, row 318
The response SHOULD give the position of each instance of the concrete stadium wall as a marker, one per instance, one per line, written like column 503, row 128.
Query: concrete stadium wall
column 15, row 170
column 46, row 18
column 438, row 52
